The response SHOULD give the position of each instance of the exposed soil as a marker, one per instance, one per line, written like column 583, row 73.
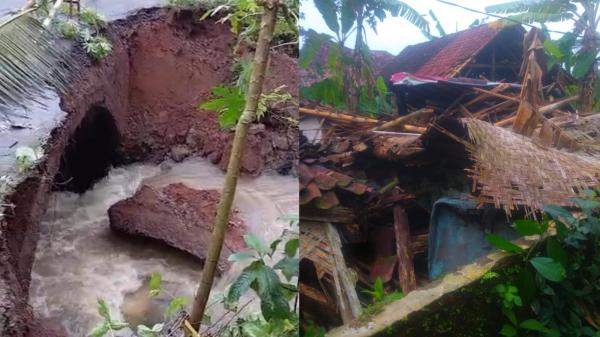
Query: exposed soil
column 146, row 95
column 178, row 216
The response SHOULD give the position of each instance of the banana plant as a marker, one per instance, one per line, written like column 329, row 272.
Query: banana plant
column 351, row 81
column 581, row 41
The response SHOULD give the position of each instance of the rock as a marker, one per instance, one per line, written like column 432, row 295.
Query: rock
column 215, row 157
column 280, row 141
column 178, row 216
column 193, row 139
column 256, row 129
column 180, row 152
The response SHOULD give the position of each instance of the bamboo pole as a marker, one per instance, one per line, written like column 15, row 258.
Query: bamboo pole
column 261, row 56
column 403, row 119
column 341, row 117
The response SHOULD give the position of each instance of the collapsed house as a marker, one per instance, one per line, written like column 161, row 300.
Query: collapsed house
column 485, row 134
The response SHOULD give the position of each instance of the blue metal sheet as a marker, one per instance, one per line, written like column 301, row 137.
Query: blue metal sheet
column 457, row 233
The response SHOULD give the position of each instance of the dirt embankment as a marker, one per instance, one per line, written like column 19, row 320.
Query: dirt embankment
column 163, row 64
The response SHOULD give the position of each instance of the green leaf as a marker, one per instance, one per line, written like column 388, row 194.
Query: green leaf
column 503, row 244
column 508, row 330
column 381, row 87
column 529, row 227
column 101, row 330
column 103, row 310
column 553, row 49
column 348, row 15
column 240, row 256
column 273, row 302
column 243, row 282
column 155, row 284
column 583, row 64
column 229, row 102
column 534, row 325
column 548, row 268
column 255, row 243
column 378, row 290
column 289, row 267
column 394, row 296
column 586, row 205
column 328, row 10
column 118, row 325
column 510, row 314
column 144, row 331
column 176, row 305
column 559, row 213
column 274, row 245
column 556, row 252
column 255, row 328
column 291, row 247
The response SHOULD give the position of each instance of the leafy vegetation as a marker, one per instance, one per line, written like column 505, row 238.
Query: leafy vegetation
column 351, row 83
column 243, row 16
column 97, row 46
column 556, row 292
column 86, row 29
column 108, row 324
column 229, row 100
column 577, row 50
column 26, row 157
column 92, row 18
column 181, row 3
column 380, row 298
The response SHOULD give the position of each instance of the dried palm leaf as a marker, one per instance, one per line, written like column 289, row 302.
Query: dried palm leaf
column 31, row 61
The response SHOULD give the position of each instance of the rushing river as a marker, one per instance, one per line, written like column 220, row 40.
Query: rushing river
column 79, row 259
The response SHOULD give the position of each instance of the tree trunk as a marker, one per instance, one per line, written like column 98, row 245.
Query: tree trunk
column 588, row 83
column 353, row 74
column 261, row 56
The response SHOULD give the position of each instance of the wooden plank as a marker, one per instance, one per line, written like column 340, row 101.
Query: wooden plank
column 406, row 268
column 348, row 303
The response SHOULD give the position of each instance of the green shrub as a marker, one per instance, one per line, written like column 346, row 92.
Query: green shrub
column 97, row 46
column 69, row 29
column 92, row 18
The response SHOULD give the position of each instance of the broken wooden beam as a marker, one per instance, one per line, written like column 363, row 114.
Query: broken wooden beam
column 406, row 268
column 495, row 94
column 348, row 303
column 555, row 105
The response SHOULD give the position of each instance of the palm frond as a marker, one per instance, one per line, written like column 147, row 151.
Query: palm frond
column 410, row 14
column 529, row 11
column 31, row 60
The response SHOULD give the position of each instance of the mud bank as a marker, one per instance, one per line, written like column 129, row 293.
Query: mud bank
column 139, row 104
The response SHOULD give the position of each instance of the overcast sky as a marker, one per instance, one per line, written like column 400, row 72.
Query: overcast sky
column 395, row 33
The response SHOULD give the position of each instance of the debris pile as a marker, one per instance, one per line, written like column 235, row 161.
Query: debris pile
column 408, row 198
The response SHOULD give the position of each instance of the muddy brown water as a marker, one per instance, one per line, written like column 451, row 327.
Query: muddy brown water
column 79, row 260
